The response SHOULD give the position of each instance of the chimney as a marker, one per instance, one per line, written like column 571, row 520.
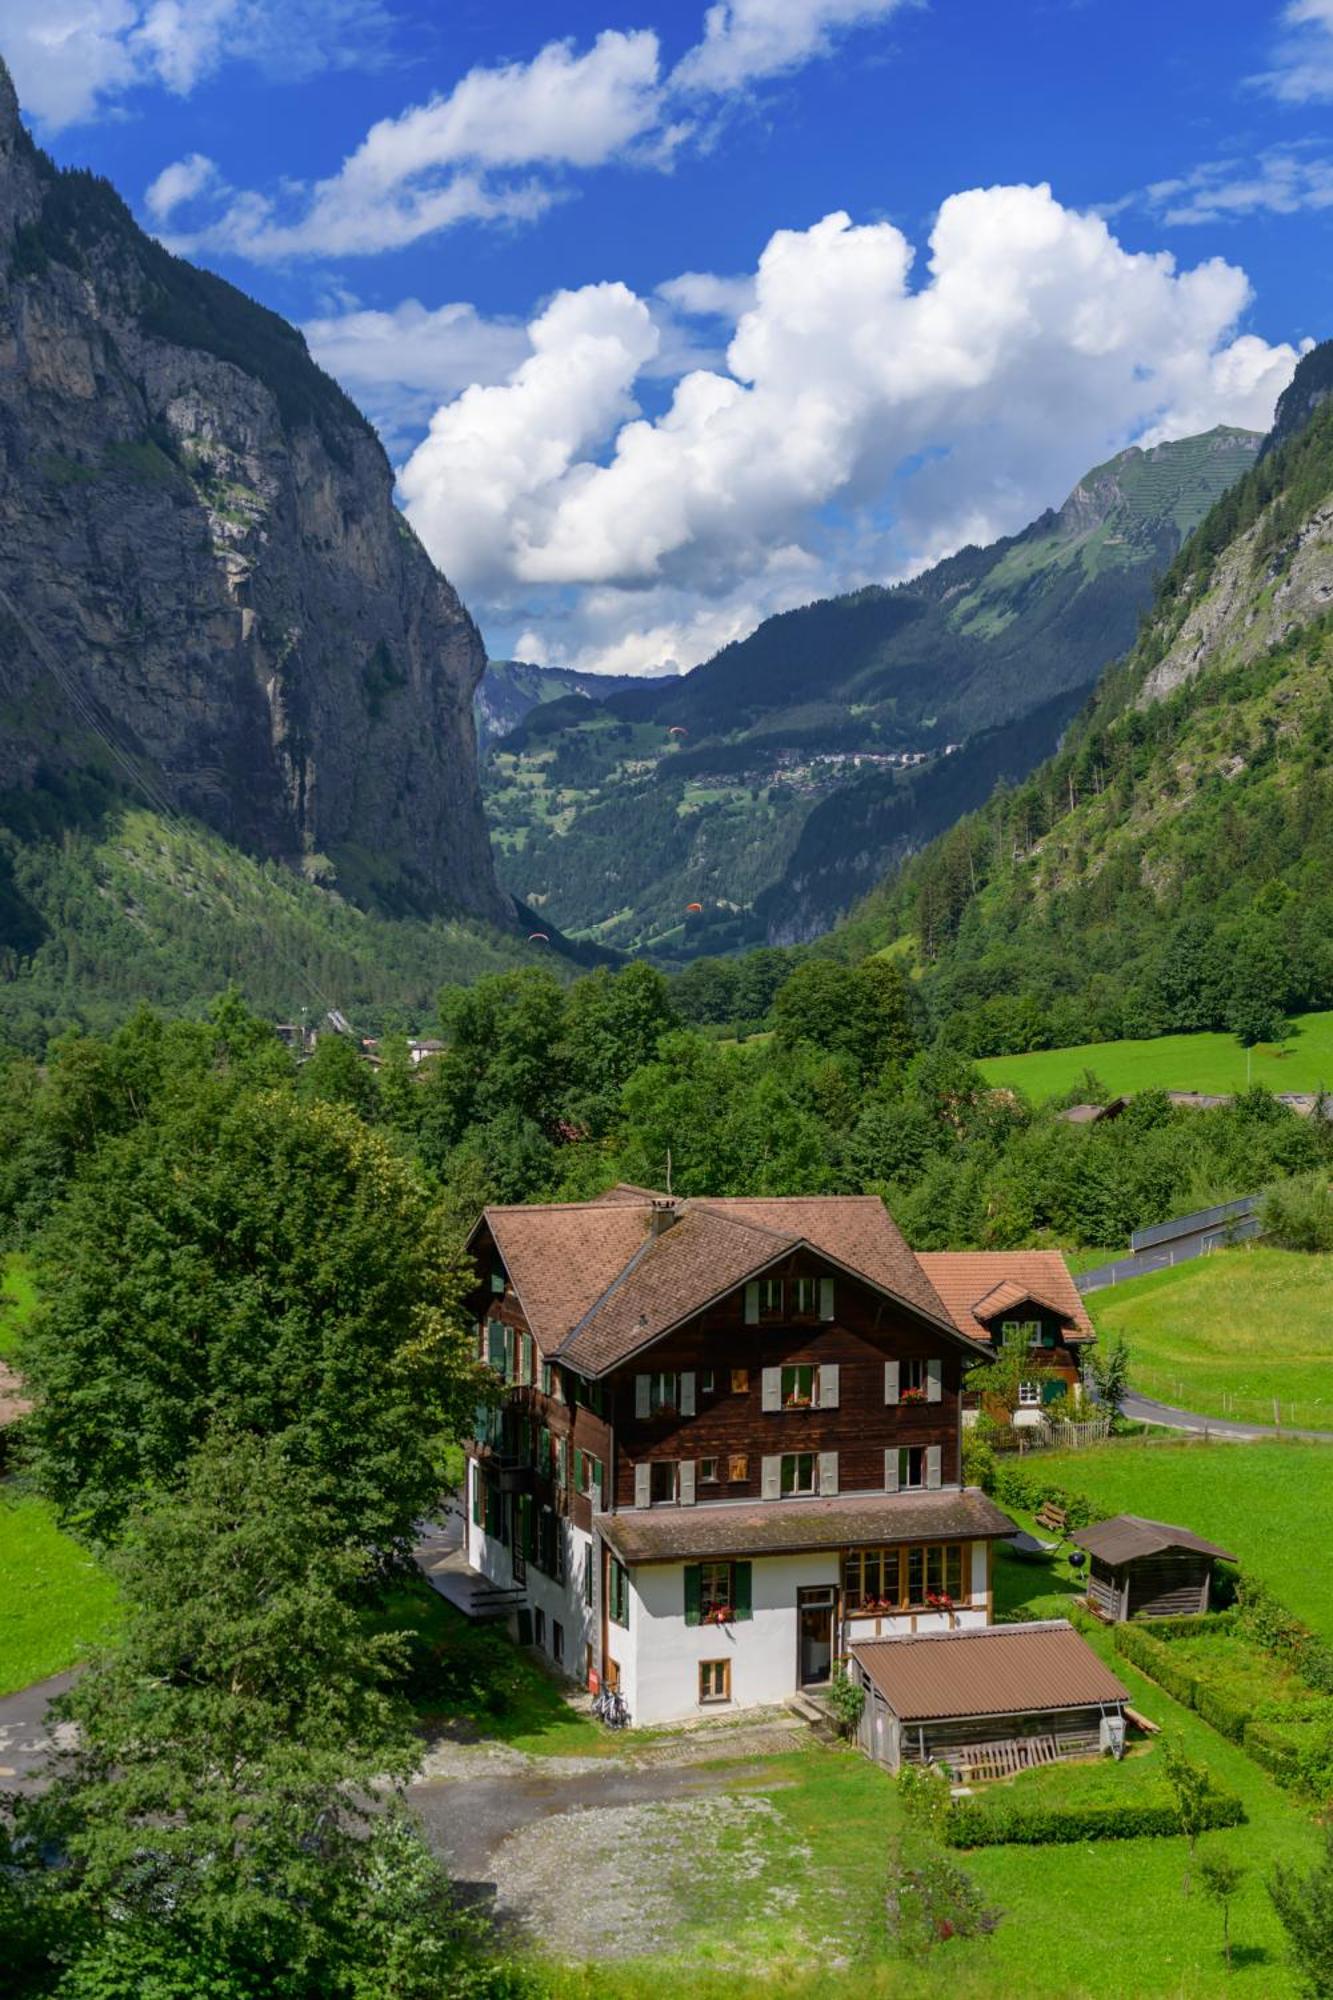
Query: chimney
column 665, row 1212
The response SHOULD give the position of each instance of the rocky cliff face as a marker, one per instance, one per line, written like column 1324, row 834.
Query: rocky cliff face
column 202, row 572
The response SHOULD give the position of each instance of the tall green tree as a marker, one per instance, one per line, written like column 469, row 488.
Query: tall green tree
column 264, row 1262
column 1303, row 1899
column 231, row 1812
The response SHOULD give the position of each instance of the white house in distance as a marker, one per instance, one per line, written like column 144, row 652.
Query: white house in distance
column 728, row 1443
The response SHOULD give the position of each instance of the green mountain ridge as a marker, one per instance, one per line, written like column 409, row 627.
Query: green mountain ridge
column 774, row 784
column 509, row 690
column 1172, row 867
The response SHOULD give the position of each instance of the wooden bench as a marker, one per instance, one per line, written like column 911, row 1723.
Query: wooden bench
column 1053, row 1518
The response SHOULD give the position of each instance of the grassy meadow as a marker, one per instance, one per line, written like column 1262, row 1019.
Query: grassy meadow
column 1213, row 1063
column 1231, row 1334
column 18, row 1296
column 1265, row 1502
column 58, row 1602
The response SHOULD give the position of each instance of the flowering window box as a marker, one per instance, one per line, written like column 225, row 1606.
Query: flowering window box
column 912, row 1396
column 721, row 1614
column 799, row 1403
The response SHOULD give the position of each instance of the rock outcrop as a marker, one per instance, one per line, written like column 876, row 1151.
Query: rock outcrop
column 205, row 586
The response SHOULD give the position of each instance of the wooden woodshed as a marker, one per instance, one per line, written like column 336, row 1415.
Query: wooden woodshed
column 989, row 1701
column 1147, row 1569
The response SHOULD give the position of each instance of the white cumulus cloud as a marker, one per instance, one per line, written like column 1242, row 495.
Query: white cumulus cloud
column 1302, row 63
column 862, row 423
column 744, row 40
column 74, row 59
column 399, row 364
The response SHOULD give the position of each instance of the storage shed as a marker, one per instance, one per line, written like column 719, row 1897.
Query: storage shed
column 989, row 1701
column 1147, row 1569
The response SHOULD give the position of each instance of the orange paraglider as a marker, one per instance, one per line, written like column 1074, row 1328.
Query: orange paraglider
column 694, row 909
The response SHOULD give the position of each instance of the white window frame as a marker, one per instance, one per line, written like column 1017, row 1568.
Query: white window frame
column 798, row 1492
column 1029, row 1395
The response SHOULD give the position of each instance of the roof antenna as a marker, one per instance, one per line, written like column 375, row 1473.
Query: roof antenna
column 668, row 1168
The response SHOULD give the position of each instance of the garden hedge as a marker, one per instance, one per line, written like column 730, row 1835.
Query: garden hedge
column 1008, row 1825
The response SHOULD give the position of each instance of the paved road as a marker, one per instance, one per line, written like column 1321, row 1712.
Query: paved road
column 25, row 1734
column 1145, row 1410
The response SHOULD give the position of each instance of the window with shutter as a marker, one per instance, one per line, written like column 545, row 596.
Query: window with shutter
column 826, row 1307
column 643, row 1389
column 891, row 1469
column 933, row 1458
column 693, row 1593
column 617, row 1605
column 828, row 1472
column 771, row 1380
column 686, row 1482
column 771, row 1485
column 934, row 1379
column 891, row 1381
column 643, row 1490
column 687, row 1404
column 742, row 1598
column 752, row 1304
column 828, row 1385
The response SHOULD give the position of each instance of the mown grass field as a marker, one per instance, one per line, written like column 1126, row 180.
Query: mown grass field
column 18, row 1297
column 1232, row 1334
column 1102, row 1920
column 1214, row 1063
column 56, row 1602
column 1269, row 1503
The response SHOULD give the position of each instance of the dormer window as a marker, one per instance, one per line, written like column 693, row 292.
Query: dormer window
column 763, row 1300
column 498, row 1281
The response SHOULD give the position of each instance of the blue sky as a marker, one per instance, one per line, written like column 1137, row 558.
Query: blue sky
column 664, row 275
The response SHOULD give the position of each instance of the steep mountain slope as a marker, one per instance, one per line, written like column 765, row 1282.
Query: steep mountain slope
column 205, row 587
column 509, row 690
column 105, row 904
column 1173, row 866
column 776, row 782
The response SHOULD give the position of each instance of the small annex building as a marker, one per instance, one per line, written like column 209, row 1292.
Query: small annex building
column 1147, row 1569
column 987, row 1701
column 994, row 1295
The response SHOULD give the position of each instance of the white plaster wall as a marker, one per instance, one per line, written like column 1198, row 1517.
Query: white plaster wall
column 558, row 1600
column 660, row 1654
column 979, row 1573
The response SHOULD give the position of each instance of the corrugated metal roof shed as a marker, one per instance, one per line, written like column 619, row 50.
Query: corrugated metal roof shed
column 994, row 1670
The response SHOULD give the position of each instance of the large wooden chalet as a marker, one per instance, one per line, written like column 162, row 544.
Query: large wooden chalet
column 728, row 1444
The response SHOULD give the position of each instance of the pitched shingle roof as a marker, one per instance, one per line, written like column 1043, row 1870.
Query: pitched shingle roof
column 973, row 1282
column 599, row 1280
column 784, row 1527
column 1125, row 1536
column 990, row 1670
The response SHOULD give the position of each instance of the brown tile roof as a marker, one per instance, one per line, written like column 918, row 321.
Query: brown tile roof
column 993, row 1670
column 967, row 1279
column 783, row 1527
column 597, row 1284
column 856, row 1230
column 562, row 1257
column 1126, row 1536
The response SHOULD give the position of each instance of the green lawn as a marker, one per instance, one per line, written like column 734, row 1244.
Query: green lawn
column 1231, row 1333
column 1267, row 1502
column 18, row 1297
column 474, row 1676
column 1176, row 1062
column 1106, row 1920
column 56, row 1601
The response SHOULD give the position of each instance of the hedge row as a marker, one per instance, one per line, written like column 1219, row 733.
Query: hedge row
column 1014, row 1487
column 1007, row 1825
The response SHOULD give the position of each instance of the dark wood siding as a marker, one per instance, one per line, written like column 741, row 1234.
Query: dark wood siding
column 1174, row 1584
column 568, row 1418
column 865, row 1332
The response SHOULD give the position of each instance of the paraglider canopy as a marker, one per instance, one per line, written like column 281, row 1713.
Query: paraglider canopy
column 694, row 908
column 677, row 729
column 538, row 937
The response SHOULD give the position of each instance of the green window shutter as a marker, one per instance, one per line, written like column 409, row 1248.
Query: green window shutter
column 741, row 1595
column 495, row 1345
column 476, row 1496
column 1052, row 1391
column 693, row 1593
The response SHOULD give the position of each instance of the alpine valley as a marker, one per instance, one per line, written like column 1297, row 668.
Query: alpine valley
column 773, row 785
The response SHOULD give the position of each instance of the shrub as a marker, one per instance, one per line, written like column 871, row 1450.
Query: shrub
column 1016, row 1487
column 1297, row 1214
column 1007, row 1824
column 846, row 1699
column 1299, row 1754
column 1153, row 1657
column 979, row 1467
column 1225, row 1710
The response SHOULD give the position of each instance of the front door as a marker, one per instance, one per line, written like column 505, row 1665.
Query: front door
column 814, row 1620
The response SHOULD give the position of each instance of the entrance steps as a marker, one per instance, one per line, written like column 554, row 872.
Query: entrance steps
column 814, row 1714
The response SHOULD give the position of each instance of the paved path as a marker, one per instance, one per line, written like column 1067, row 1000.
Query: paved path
column 1145, row 1410
column 25, row 1735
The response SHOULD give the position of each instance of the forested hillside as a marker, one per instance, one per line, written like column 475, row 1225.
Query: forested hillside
column 1172, row 867
column 775, row 783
